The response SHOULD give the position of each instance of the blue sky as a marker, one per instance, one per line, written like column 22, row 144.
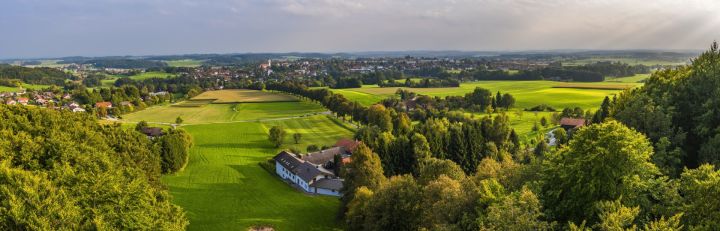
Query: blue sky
column 52, row 28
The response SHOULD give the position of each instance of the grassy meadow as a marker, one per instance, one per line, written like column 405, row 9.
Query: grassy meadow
column 526, row 93
column 24, row 86
column 224, row 188
column 223, row 113
column 226, row 106
column 244, row 96
column 631, row 79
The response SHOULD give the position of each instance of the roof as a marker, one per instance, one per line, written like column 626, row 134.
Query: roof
column 348, row 144
column 103, row 104
column 572, row 122
column 152, row 131
column 323, row 156
column 287, row 160
column 334, row 184
column 307, row 171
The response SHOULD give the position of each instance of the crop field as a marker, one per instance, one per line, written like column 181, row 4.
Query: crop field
column 526, row 93
column 244, row 96
column 223, row 113
column 184, row 63
column 224, row 188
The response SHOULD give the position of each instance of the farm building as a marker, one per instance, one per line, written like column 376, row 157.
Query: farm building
column 103, row 104
column 571, row 123
column 312, row 172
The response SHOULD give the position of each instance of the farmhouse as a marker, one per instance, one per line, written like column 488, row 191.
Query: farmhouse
column 312, row 172
column 103, row 104
column 571, row 123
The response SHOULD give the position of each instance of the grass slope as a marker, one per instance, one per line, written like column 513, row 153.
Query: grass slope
column 222, row 113
column 224, row 188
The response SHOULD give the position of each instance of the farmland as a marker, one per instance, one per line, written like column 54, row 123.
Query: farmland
column 223, row 113
column 527, row 93
column 224, row 188
column 243, row 96
column 25, row 86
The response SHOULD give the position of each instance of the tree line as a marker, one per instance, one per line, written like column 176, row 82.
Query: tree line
column 39, row 75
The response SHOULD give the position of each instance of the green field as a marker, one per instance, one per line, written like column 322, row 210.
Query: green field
column 110, row 79
column 244, row 96
column 526, row 93
column 223, row 113
column 224, row 188
column 25, row 86
column 184, row 63
column 632, row 79
column 151, row 74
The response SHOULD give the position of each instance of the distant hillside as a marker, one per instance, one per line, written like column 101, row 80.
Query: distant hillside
column 40, row 75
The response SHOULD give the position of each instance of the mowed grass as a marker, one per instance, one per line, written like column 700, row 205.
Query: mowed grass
column 526, row 93
column 224, row 188
column 223, row 113
column 244, row 96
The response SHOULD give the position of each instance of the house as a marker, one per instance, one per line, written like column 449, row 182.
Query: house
column 23, row 101
column 310, row 172
column 103, row 104
column 125, row 103
column 571, row 123
column 78, row 109
column 11, row 102
column 152, row 132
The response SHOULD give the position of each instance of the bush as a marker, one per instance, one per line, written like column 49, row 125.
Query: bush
column 541, row 107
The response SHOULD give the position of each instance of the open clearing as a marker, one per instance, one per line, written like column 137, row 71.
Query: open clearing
column 244, row 96
column 224, row 188
column 526, row 93
column 223, row 113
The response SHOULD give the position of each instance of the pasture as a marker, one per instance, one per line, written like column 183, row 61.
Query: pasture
column 24, row 86
column 224, row 188
column 223, row 113
column 244, row 96
column 526, row 93
column 631, row 79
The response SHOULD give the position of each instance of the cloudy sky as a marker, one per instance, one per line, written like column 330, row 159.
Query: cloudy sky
column 51, row 28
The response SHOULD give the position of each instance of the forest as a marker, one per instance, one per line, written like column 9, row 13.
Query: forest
column 64, row 171
column 647, row 162
column 9, row 75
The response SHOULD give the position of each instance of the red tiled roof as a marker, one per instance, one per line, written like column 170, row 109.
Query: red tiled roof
column 572, row 122
column 348, row 144
column 103, row 104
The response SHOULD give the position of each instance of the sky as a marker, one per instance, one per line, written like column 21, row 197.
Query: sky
column 57, row 28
